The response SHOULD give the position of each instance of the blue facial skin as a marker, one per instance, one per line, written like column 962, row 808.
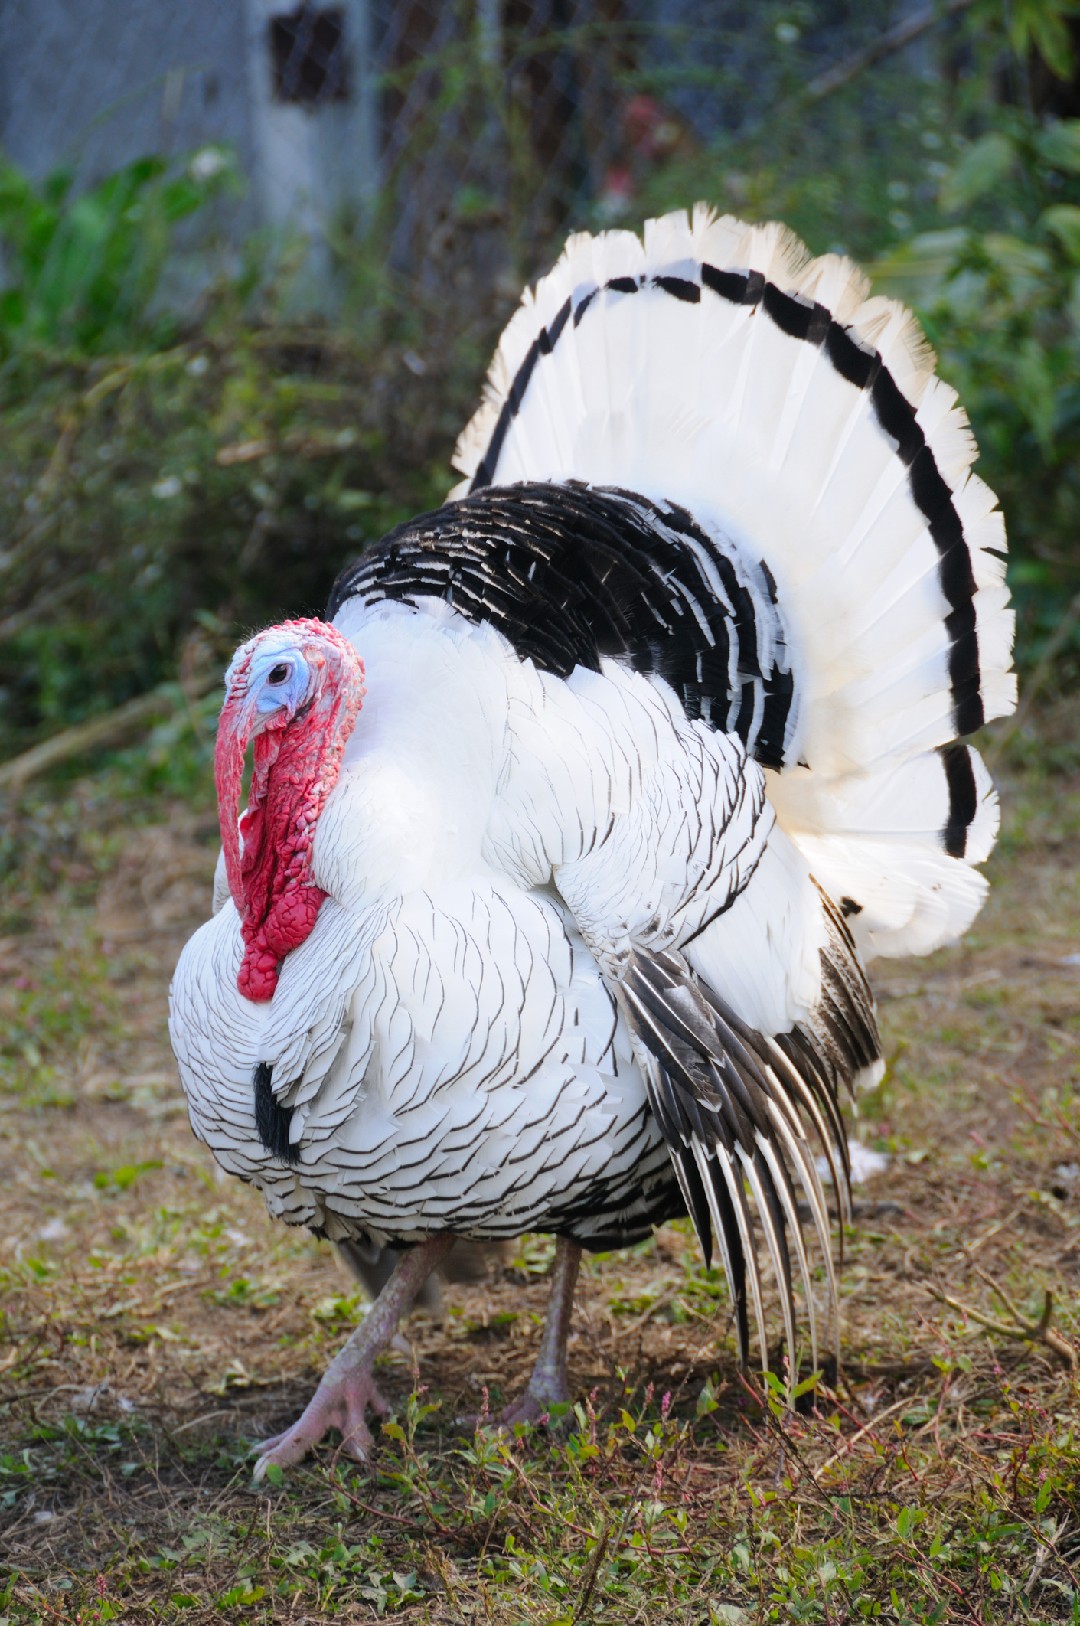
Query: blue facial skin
column 278, row 681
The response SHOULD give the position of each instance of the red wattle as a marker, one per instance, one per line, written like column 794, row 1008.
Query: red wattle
column 291, row 919
column 296, row 765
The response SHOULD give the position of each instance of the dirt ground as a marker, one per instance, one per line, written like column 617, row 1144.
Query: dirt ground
column 154, row 1322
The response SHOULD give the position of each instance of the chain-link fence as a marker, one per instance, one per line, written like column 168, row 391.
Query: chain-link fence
column 471, row 134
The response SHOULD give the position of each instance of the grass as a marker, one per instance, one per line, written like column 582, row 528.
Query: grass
column 154, row 1323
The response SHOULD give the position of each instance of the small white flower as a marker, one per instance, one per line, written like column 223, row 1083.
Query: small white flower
column 197, row 366
column 170, row 486
column 865, row 1163
column 206, row 163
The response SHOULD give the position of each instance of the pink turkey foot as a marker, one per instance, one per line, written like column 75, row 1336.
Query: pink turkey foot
column 348, row 1389
column 534, row 1406
column 342, row 1404
column 549, row 1385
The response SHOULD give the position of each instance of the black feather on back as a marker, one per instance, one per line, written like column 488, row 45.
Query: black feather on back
column 571, row 573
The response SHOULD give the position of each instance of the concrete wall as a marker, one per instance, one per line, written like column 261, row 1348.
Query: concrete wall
column 93, row 84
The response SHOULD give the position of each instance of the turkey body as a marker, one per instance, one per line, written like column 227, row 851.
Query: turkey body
column 652, row 739
column 480, row 1076
column 477, row 1039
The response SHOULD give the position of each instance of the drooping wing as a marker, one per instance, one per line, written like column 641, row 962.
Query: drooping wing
column 745, row 1116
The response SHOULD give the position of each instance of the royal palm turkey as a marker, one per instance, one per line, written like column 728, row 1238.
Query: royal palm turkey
column 572, row 828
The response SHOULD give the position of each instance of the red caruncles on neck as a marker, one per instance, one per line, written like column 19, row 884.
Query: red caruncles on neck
column 297, row 760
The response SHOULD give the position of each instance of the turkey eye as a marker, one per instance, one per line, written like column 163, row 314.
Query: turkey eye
column 278, row 673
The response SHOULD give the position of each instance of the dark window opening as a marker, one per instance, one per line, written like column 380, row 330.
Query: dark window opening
column 307, row 48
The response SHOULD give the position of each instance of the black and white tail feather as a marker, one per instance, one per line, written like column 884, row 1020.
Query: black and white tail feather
column 824, row 576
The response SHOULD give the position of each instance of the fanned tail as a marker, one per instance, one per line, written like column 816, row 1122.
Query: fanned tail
column 718, row 367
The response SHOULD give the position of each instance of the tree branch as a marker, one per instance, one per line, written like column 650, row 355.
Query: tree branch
column 892, row 40
column 1031, row 1332
column 116, row 725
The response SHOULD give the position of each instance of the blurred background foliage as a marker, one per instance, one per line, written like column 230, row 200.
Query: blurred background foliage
column 181, row 460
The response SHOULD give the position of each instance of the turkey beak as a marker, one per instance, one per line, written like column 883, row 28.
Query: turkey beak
column 235, row 727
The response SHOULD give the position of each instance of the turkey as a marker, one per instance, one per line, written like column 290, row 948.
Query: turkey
column 573, row 826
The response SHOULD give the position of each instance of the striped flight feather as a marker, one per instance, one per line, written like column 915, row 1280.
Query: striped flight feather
column 735, row 1108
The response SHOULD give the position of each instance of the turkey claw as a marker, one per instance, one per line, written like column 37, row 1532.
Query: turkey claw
column 533, row 1408
column 340, row 1404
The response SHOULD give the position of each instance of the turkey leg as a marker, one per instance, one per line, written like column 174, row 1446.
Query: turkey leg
column 348, row 1386
column 549, row 1384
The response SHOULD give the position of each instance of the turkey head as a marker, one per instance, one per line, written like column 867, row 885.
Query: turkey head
column 295, row 690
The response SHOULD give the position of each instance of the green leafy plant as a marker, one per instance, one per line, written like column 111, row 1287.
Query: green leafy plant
column 81, row 268
column 999, row 292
